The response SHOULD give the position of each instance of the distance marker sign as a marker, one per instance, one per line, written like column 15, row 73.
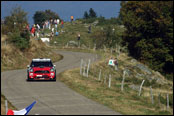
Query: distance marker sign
column 111, row 62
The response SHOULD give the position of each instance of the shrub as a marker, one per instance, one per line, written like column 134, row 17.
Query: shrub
column 20, row 40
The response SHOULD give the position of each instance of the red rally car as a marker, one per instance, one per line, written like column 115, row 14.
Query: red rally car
column 41, row 69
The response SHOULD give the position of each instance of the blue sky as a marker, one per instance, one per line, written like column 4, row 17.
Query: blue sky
column 64, row 9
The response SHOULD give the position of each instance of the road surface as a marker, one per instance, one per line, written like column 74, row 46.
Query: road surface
column 52, row 98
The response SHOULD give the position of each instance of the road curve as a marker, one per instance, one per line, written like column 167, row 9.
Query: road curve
column 52, row 98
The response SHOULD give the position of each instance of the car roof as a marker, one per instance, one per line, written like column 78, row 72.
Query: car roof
column 41, row 60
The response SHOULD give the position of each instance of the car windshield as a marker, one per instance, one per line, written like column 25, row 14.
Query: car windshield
column 41, row 64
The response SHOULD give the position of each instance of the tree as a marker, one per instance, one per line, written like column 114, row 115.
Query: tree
column 86, row 16
column 92, row 13
column 149, row 33
column 107, row 37
column 16, row 20
column 41, row 16
column 51, row 15
column 122, row 3
column 15, row 28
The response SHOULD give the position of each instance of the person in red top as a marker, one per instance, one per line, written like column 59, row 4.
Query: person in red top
column 33, row 31
column 62, row 24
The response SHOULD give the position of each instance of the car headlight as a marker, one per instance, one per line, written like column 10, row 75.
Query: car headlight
column 31, row 70
column 52, row 70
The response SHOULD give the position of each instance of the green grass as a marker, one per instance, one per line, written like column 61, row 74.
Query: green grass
column 127, row 102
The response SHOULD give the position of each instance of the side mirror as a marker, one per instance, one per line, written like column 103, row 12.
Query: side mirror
column 54, row 65
column 28, row 66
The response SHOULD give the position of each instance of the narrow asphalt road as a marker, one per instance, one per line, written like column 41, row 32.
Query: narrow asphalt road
column 52, row 98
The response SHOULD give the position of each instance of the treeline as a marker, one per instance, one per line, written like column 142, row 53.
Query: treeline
column 149, row 33
column 92, row 17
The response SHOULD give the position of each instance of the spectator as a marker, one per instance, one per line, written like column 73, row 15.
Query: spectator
column 72, row 18
column 55, row 24
column 89, row 29
column 57, row 33
column 38, row 27
column 62, row 24
column 52, row 34
column 46, row 24
column 58, row 21
column 116, row 64
column 52, row 30
column 43, row 26
column 33, row 31
column 37, row 34
column 78, row 38
column 49, row 25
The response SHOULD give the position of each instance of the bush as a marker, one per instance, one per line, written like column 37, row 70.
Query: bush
column 89, row 20
column 20, row 40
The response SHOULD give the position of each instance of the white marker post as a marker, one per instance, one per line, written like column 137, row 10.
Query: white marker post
column 141, row 87
column 167, row 101
column 99, row 76
column 81, row 66
column 105, row 79
column 109, row 81
column 88, row 66
column 122, row 84
column 6, row 107
column 84, row 68
column 151, row 94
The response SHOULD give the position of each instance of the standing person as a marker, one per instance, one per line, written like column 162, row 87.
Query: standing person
column 46, row 23
column 78, row 38
column 58, row 21
column 116, row 64
column 38, row 27
column 89, row 29
column 52, row 30
column 72, row 18
column 33, row 31
column 49, row 25
column 43, row 26
column 62, row 24
column 57, row 33
column 55, row 23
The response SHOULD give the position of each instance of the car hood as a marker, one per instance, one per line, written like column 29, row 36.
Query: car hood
column 39, row 68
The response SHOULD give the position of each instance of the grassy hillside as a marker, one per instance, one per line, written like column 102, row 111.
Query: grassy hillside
column 127, row 101
column 70, row 32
